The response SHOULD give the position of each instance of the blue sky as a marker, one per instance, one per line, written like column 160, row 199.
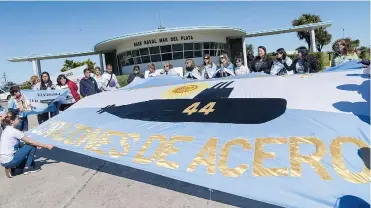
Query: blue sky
column 53, row 27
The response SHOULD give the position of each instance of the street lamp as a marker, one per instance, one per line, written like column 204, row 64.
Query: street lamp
column 343, row 33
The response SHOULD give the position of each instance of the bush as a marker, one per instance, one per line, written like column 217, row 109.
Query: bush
column 123, row 80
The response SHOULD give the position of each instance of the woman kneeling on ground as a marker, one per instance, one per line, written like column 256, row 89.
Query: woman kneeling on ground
column 14, row 153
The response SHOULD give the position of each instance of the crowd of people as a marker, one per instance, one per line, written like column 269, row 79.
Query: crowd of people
column 17, row 150
column 282, row 64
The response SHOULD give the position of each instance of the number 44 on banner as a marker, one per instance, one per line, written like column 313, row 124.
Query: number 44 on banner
column 209, row 108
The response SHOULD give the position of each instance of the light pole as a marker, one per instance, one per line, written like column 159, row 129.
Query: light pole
column 343, row 33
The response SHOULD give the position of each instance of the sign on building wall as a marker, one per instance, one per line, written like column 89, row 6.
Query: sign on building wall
column 162, row 40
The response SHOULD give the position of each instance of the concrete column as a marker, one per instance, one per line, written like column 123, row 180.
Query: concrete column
column 34, row 67
column 313, row 40
column 101, row 62
column 244, row 52
column 38, row 67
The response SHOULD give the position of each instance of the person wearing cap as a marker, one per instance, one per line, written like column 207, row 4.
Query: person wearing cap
column 281, row 64
column 344, row 53
column 366, row 66
column 136, row 73
column 262, row 63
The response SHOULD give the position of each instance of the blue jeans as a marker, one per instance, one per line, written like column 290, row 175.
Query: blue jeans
column 22, row 158
column 23, row 124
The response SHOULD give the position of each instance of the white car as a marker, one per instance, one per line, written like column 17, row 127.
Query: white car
column 4, row 95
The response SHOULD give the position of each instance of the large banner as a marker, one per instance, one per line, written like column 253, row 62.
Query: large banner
column 42, row 101
column 291, row 141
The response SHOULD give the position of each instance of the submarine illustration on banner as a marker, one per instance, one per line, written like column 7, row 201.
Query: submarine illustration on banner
column 211, row 105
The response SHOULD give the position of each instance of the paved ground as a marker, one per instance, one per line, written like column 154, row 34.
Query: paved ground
column 73, row 180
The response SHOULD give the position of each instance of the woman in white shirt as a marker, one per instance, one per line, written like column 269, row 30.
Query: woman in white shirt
column 98, row 77
column 240, row 69
column 12, row 153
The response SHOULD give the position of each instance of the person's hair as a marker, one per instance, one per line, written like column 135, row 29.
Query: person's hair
column 284, row 54
column 109, row 65
column 210, row 62
column 346, row 44
column 97, row 68
column 85, row 70
column 193, row 65
column 264, row 49
column 9, row 118
column 46, row 84
column 226, row 57
column 14, row 89
column 59, row 79
column 168, row 64
column 304, row 51
column 152, row 65
column 136, row 66
column 33, row 79
column 239, row 60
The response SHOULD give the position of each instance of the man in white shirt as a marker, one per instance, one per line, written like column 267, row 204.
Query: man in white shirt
column 110, row 80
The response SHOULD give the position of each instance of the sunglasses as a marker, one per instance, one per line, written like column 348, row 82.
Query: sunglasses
column 207, row 58
column 222, row 57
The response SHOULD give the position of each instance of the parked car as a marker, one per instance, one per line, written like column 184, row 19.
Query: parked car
column 4, row 94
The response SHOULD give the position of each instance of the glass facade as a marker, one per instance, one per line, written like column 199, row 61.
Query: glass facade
column 170, row 52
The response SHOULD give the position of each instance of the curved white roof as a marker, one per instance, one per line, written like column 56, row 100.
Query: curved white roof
column 112, row 43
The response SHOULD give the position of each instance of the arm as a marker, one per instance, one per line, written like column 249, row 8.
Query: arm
column 82, row 89
column 117, row 83
column 37, row 144
column 96, row 86
column 131, row 78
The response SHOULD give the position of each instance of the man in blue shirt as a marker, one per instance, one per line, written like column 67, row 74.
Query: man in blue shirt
column 88, row 85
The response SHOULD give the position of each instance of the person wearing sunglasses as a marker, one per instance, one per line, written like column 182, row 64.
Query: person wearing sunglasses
column 168, row 70
column 191, row 70
column 282, row 63
column 225, row 69
column 136, row 73
column 208, row 67
column 240, row 69
column 343, row 53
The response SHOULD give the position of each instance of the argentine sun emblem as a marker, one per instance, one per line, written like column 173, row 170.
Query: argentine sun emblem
column 184, row 91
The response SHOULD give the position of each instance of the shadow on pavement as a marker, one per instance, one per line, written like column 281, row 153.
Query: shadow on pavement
column 149, row 178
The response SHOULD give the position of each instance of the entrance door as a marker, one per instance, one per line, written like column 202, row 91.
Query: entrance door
column 235, row 46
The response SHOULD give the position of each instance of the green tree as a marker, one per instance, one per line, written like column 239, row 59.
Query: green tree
column 322, row 36
column 250, row 49
column 26, row 85
column 70, row 64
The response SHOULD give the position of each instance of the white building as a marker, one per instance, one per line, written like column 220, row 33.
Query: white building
column 171, row 45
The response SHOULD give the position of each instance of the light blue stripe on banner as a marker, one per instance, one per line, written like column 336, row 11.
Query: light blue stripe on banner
column 307, row 191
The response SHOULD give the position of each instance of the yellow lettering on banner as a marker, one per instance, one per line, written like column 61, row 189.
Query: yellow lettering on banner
column 139, row 158
column 260, row 155
column 338, row 160
column 40, row 130
column 210, row 161
column 94, row 141
column 223, row 161
column 126, row 147
column 57, row 135
column 313, row 160
column 79, row 129
column 170, row 149
column 192, row 108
